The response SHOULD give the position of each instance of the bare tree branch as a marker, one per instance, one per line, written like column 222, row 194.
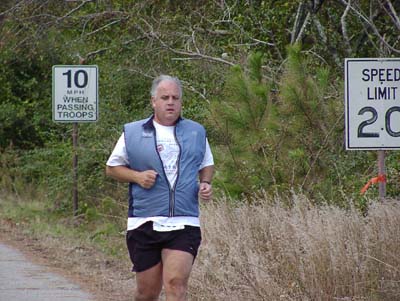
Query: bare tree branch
column 303, row 27
column 103, row 27
column 391, row 12
column 344, row 29
column 188, row 86
column 153, row 34
column 298, row 22
column 74, row 10
column 369, row 22
column 12, row 8
column 320, row 28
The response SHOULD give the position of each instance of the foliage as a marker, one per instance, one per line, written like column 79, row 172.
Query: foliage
column 245, row 117
column 272, row 108
column 308, row 119
column 24, row 117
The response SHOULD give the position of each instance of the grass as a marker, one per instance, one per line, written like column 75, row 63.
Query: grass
column 260, row 251
column 267, row 251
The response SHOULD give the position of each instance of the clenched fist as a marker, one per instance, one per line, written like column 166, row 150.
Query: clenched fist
column 147, row 178
column 205, row 191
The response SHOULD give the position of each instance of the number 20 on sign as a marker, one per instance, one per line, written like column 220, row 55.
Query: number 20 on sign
column 372, row 103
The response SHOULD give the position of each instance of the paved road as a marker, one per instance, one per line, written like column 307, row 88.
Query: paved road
column 21, row 280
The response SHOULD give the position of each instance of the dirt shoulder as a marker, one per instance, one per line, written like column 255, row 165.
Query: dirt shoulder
column 105, row 278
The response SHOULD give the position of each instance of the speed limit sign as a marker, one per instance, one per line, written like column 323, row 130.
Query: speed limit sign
column 75, row 93
column 372, row 103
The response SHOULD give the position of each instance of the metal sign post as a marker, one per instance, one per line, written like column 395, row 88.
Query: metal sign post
column 382, row 171
column 75, row 99
column 75, row 167
column 372, row 106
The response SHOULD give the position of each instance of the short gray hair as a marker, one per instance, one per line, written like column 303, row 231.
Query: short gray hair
column 163, row 77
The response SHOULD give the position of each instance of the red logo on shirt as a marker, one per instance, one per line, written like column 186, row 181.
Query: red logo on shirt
column 160, row 148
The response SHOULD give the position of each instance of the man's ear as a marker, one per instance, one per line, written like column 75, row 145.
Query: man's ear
column 152, row 100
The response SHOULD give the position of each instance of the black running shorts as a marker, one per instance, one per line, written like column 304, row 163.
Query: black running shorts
column 145, row 244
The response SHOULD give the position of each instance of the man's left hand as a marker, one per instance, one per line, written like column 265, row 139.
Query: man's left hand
column 205, row 191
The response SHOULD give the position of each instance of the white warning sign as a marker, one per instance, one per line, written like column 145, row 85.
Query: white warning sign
column 372, row 103
column 75, row 93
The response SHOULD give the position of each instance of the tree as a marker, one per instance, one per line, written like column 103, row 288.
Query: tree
column 245, row 116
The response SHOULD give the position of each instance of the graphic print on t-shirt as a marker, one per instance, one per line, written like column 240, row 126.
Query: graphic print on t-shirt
column 168, row 150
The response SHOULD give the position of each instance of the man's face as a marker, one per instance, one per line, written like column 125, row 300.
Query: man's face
column 167, row 103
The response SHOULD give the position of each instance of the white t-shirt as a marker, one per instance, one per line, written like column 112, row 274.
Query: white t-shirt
column 168, row 150
column 169, row 153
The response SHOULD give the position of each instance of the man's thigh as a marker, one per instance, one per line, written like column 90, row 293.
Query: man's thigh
column 149, row 283
column 177, row 266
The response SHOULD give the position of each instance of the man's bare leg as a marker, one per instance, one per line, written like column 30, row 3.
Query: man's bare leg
column 149, row 283
column 177, row 266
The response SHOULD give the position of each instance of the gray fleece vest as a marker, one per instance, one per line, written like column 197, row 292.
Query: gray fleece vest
column 162, row 199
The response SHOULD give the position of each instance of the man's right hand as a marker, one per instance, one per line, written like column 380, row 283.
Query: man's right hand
column 147, row 178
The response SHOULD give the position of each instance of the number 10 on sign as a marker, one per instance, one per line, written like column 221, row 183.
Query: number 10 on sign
column 75, row 93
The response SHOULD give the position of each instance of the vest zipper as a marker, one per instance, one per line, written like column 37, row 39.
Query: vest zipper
column 172, row 204
column 171, row 211
column 162, row 166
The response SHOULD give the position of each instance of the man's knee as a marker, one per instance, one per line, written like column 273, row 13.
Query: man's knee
column 146, row 294
column 176, row 286
column 147, row 291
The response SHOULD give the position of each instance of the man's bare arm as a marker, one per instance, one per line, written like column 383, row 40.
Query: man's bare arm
column 121, row 173
column 205, row 176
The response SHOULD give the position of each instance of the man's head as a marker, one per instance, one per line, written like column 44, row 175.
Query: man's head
column 166, row 99
column 163, row 77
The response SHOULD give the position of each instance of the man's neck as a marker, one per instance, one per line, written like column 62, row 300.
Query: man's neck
column 159, row 124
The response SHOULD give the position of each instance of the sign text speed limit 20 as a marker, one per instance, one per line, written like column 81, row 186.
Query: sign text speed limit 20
column 75, row 93
column 372, row 103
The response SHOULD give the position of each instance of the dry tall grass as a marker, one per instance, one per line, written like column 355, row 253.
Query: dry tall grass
column 267, row 251
column 263, row 251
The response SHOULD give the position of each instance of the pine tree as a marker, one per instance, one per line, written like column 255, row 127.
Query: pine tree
column 308, row 118
column 276, row 141
column 245, row 118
